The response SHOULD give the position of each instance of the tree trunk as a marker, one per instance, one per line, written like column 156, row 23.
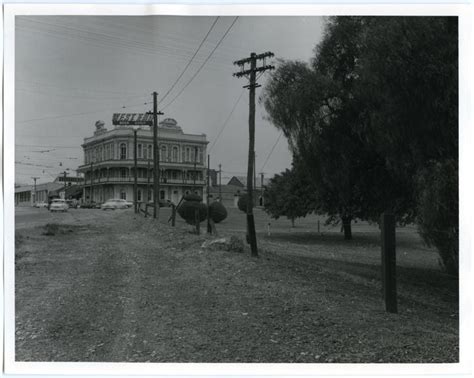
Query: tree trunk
column 346, row 224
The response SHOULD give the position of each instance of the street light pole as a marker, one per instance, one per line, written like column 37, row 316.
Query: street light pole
column 135, row 183
column 34, row 200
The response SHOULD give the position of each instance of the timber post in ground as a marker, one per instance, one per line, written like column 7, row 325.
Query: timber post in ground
column 135, row 175
column 156, row 158
column 251, row 74
column 389, row 281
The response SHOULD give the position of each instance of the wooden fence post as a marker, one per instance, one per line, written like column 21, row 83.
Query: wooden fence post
column 389, row 281
column 173, row 215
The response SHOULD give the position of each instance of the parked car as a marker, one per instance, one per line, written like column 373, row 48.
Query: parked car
column 58, row 205
column 72, row 204
column 88, row 205
column 161, row 203
column 40, row 204
column 113, row 204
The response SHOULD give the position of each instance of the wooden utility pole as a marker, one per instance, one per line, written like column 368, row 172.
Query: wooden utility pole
column 64, row 179
column 156, row 158
column 148, row 181
column 251, row 75
column 209, row 229
column 254, row 173
column 195, row 161
column 92, row 180
column 220, row 183
column 389, row 281
column 35, row 178
column 135, row 175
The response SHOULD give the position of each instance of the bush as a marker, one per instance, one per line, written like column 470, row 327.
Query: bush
column 188, row 209
column 438, row 210
column 217, row 212
column 242, row 203
column 192, row 197
column 51, row 229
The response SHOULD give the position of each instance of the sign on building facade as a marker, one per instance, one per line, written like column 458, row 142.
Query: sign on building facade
column 132, row 119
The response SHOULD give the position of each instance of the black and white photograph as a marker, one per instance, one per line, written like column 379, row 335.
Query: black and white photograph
column 232, row 188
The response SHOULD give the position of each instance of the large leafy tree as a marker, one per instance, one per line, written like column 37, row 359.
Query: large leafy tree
column 409, row 89
column 289, row 194
column 374, row 117
column 315, row 107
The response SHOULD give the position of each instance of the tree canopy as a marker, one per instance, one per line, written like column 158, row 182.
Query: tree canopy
column 289, row 194
column 373, row 114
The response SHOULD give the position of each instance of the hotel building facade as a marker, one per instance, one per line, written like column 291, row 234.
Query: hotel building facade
column 109, row 163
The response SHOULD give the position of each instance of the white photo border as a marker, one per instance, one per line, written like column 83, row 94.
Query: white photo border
column 464, row 367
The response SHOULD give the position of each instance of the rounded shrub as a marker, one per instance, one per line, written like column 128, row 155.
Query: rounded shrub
column 192, row 197
column 242, row 203
column 187, row 211
column 217, row 212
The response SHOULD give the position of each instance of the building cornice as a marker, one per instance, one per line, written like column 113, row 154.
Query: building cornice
column 127, row 133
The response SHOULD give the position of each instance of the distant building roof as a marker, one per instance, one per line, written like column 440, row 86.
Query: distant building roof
column 241, row 181
column 48, row 186
column 226, row 189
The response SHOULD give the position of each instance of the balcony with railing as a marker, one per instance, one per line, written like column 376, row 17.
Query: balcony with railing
column 144, row 180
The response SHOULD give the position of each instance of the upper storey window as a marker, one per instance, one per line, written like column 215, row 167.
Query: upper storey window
column 163, row 153
column 175, row 154
column 123, row 151
column 140, row 151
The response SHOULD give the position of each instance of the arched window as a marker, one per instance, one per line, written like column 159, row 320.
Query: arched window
column 163, row 153
column 139, row 152
column 201, row 157
column 123, row 194
column 175, row 154
column 188, row 154
column 123, row 151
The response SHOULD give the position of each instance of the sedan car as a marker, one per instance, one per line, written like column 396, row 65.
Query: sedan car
column 40, row 204
column 113, row 204
column 58, row 205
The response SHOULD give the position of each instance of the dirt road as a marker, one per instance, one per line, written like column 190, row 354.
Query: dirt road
column 116, row 287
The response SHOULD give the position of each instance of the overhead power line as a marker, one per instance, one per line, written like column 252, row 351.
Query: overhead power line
column 271, row 151
column 190, row 60
column 43, row 146
column 203, row 64
column 88, row 90
column 226, row 121
column 79, row 114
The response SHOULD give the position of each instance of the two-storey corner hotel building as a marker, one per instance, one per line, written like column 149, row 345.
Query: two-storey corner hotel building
column 109, row 163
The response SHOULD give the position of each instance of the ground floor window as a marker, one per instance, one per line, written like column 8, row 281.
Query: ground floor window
column 162, row 194
column 139, row 195
column 149, row 195
column 123, row 195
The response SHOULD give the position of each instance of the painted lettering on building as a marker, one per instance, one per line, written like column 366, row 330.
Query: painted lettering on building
column 132, row 119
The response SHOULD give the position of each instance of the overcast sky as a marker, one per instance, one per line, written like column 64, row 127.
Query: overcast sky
column 74, row 70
